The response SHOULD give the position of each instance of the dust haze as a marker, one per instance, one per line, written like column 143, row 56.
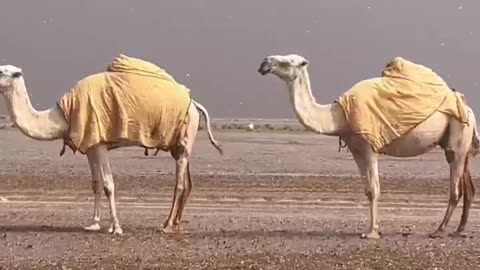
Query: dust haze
column 215, row 46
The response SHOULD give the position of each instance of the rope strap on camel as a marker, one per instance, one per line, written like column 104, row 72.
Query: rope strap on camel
column 132, row 100
column 383, row 109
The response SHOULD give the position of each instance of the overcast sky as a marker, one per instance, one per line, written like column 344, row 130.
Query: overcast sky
column 216, row 46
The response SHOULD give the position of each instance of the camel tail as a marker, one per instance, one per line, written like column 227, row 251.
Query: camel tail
column 204, row 111
column 475, row 146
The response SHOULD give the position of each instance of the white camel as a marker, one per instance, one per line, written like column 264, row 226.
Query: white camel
column 51, row 125
column 439, row 129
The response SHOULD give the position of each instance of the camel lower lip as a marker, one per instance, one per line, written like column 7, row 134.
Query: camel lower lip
column 264, row 72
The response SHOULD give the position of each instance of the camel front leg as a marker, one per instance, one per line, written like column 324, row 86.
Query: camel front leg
column 367, row 164
column 109, row 189
column 362, row 167
column 101, row 170
column 373, row 195
column 97, row 188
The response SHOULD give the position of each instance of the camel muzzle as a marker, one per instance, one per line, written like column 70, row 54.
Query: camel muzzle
column 264, row 68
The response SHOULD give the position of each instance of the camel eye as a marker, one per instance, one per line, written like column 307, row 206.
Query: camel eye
column 17, row 74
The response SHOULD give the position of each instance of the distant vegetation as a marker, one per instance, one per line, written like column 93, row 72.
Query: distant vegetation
column 259, row 125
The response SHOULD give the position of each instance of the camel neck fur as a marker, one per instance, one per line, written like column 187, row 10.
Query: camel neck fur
column 324, row 119
column 39, row 125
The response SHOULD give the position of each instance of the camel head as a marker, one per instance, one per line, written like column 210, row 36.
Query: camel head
column 8, row 75
column 286, row 67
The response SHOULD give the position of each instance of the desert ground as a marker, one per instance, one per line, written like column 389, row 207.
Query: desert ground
column 275, row 200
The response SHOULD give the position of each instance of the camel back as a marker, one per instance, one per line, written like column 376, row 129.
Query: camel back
column 133, row 100
column 383, row 109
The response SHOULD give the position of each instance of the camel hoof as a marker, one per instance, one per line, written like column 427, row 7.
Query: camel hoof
column 118, row 232
column 170, row 229
column 438, row 234
column 93, row 228
column 115, row 230
column 370, row 235
column 458, row 234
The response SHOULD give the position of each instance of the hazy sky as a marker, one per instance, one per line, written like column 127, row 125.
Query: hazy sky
column 216, row 46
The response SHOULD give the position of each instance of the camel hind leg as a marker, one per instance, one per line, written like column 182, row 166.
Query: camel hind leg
column 188, row 189
column 456, row 152
column 180, row 172
column 182, row 193
column 466, row 182
column 468, row 190
column 183, row 183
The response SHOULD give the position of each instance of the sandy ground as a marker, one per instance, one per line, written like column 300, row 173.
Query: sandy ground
column 274, row 201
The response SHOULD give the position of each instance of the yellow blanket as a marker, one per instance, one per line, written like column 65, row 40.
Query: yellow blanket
column 384, row 108
column 133, row 100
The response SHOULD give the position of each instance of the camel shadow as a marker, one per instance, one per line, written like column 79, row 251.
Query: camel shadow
column 39, row 228
column 284, row 234
column 265, row 233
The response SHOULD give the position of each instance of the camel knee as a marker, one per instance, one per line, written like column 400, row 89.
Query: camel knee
column 373, row 192
column 182, row 160
column 108, row 188
column 450, row 155
column 180, row 152
column 182, row 164
column 369, row 195
column 454, row 195
column 180, row 189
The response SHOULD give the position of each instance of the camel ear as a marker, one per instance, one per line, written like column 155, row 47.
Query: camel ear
column 304, row 63
column 17, row 74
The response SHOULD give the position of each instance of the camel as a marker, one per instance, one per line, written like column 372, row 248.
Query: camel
column 455, row 138
column 51, row 125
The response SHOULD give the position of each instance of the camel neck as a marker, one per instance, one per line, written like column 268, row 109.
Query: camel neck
column 38, row 125
column 323, row 119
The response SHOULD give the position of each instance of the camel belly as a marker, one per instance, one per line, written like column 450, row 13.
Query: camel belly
column 419, row 140
column 194, row 118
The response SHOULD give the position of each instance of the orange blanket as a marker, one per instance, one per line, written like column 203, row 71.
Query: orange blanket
column 133, row 100
column 383, row 109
